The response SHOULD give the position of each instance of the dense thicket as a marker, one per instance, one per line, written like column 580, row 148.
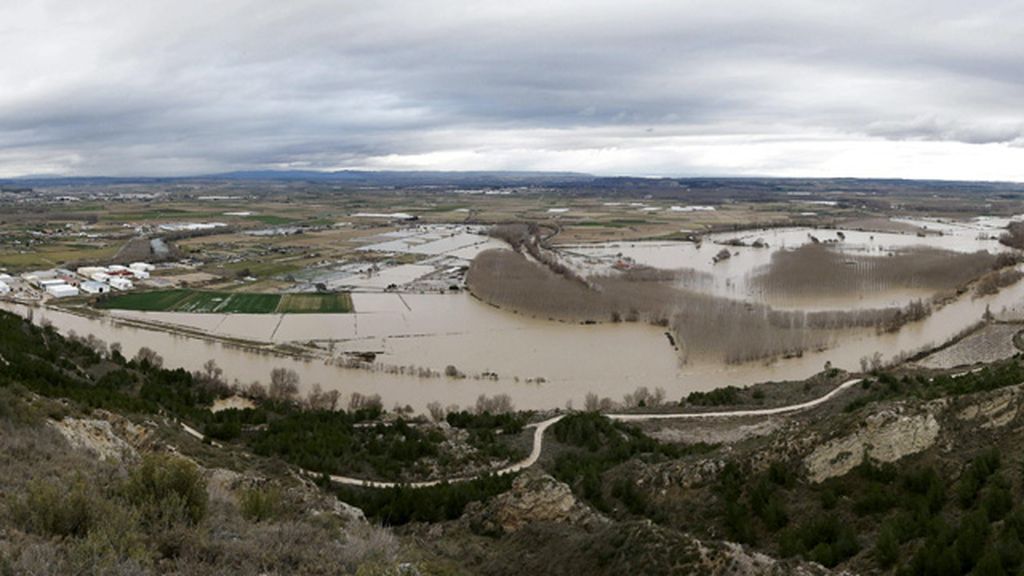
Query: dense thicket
column 401, row 505
column 331, row 442
column 596, row 445
column 911, row 519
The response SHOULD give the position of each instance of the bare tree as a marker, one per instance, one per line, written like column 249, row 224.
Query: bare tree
column 148, row 357
column 640, row 397
column 211, row 370
column 256, row 391
column 318, row 399
column 284, row 384
column 362, row 402
column 497, row 404
column 437, row 412
column 211, row 378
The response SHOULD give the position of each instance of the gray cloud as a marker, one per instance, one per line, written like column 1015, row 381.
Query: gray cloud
column 656, row 87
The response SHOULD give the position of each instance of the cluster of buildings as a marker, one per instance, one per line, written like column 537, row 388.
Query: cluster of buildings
column 90, row 280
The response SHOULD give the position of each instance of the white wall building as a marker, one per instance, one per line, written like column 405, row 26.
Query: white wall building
column 119, row 283
column 88, row 271
column 4, row 288
column 61, row 291
column 91, row 287
column 144, row 266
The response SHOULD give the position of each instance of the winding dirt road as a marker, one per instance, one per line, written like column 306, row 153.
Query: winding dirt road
column 541, row 427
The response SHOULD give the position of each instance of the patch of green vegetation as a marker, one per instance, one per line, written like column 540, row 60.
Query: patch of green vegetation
column 598, row 445
column 158, row 301
column 401, row 505
column 260, row 504
column 204, row 302
column 912, row 519
column 331, row 442
column 724, row 396
column 242, row 303
column 887, row 386
column 198, row 301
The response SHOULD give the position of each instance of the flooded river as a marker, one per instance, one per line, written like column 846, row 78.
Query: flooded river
column 437, row 330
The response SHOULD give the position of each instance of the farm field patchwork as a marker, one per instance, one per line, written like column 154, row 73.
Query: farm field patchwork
column 197, row 301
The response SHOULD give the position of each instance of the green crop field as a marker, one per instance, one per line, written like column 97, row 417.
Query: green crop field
column 251, row 303
column 146, row 301
column 228, row 302
column 203, row 302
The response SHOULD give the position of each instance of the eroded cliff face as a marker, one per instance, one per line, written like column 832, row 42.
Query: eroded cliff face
column 885, row 436
column 992, row 410
column 107, row 436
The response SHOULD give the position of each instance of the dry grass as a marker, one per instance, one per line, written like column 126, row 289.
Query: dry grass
column 63, row 512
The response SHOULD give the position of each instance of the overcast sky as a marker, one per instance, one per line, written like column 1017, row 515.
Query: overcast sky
column 895, row 88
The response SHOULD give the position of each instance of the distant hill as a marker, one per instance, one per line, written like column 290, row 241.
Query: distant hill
column 694, row 189
column 410, row 178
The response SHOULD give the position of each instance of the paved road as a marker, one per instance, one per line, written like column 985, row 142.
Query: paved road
column 541, row 427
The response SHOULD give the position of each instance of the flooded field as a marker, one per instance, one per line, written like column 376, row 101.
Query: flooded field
column 439, row 251
column 751, row 253
column 434, row 331
column 543, row 363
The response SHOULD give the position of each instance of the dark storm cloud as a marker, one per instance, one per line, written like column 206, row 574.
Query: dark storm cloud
column 651, row 87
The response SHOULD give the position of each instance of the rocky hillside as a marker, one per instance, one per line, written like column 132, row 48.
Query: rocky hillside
column 910, row 472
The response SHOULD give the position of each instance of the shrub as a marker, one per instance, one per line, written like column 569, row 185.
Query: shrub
column 167, row 490
column 887, row 546
column 51, row 509
column 260, row 504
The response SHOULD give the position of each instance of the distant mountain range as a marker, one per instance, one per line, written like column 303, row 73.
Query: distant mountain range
column 350, row 177
column 567, row 182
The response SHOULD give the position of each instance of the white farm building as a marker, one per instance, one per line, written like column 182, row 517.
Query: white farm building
column 91, row 287
column 61, row 291
column 119, row 283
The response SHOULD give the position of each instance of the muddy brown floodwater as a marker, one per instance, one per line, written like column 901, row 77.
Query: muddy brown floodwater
column 434, row 331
